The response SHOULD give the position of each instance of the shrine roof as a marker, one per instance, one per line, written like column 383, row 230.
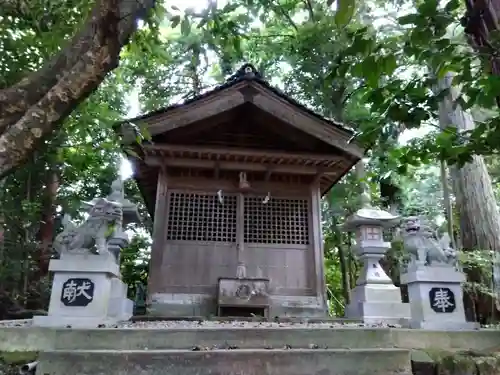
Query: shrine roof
column 247, row 73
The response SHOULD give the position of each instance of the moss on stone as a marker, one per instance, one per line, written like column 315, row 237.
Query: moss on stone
column 18, row 358
column 11, row 361
column 469, row 362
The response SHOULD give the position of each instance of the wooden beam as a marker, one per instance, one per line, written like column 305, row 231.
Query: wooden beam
column 268, row 174
column 242, row 152
column 158, row 161
column 317, row 178
column 197, row 110
column 304, row 121
column 217, row 170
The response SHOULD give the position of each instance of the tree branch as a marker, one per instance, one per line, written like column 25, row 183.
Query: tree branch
column 279, row 10
column 310, row 9
column 36, row 106
column 16, row 100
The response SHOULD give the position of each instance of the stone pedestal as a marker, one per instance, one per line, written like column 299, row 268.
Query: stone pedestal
column 436, row 297
column 243, row 294
column 375, row 304
column 375, row 299
column 86, row 292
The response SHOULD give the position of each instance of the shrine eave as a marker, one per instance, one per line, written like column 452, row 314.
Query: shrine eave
column 187, row 156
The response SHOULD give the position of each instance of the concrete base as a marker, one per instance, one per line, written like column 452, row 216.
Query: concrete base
column 120, row 307
column 223, row 362
column 377, row 303
column 70, row 322
column 104, row 302
column 421, row 280
column 379, row 313
column 180, row 305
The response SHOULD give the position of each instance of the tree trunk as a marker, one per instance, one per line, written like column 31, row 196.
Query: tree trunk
column 475, row 199
column 36, row 106
column 344, row 272
column 365, row 195
column 47, row 225
column 448, row 208
column 27, row 250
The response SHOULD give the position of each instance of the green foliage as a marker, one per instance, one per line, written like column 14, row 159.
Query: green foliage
column 422, row 193
column 134, row 262
column 345, row 12
column 75, row 165
column 29, row 34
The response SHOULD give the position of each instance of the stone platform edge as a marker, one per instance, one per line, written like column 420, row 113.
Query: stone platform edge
column 34, row 339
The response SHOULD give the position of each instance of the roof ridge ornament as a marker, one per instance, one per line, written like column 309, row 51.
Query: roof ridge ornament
column 246, row 71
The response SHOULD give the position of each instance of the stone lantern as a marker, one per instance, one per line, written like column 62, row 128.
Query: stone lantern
column 375, row 299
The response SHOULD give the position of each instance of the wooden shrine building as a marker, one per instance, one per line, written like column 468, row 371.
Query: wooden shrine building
column 233, row 179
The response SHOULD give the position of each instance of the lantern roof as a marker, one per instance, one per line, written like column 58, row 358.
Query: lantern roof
column 371, row 216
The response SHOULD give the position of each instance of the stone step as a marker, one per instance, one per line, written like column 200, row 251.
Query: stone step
column 227, row 362
column 241, row 338
column 36, row 339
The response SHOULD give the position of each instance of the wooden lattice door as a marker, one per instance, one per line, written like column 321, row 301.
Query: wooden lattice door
column 280, row 221
column 201, row 217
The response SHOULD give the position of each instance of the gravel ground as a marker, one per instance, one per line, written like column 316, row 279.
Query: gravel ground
column 175, row 324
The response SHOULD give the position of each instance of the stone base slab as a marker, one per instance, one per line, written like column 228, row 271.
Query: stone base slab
column 224, row 362
column 444, row 325
column 433, row 274
column 377, row 303
column 88, row 263
column 376, row 293
column 67, row 321
column 179, row 305
column 379, row 312
column 180, row 337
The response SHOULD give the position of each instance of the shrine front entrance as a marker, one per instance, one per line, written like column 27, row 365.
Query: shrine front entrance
column 214, row 234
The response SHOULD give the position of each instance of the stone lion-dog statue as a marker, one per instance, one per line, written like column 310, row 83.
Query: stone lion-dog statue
column 92, row 236
column 420, row 244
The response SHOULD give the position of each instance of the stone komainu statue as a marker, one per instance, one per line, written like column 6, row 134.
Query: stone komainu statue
column 92, row 236
column 419, row 242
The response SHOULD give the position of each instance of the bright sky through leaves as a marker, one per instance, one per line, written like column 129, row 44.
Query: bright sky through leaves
column 198, row 5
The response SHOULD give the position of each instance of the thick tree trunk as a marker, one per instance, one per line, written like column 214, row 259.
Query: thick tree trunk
column 35, row 107
column 474, row 195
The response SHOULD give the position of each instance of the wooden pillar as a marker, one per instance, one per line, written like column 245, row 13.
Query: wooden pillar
column 159, row 234
column 317, row 245
column 240, row 236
